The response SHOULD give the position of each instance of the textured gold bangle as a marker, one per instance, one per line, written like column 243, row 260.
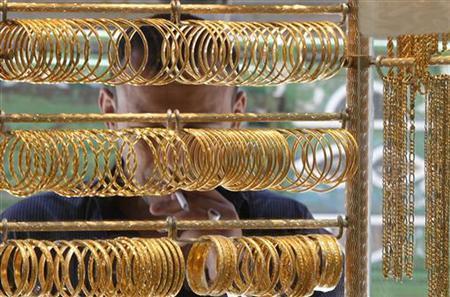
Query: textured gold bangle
column 114, row 286
column 288, row 273
column 302, row 268
column 195, row 267
column 242, row 281
column 271, row 266
column 6, row 253
column 230, row 255
column 178, row 266
column 134, row 281
column 147, row 269
column 226, row 261
column 46, row 266
column 161, row 284
column 332, row 261
column 311, row 256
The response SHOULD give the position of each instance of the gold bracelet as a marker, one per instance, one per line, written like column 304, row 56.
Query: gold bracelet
column 332, row 261
column 46, row 266
column 271, row 266
column 226, row 261
column 311, row 256
column 195, row 267
column 177, row 265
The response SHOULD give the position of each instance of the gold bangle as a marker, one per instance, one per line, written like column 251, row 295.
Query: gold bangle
column 7, row 250
column 113, row 286
column 21, row 267
column 332, row 261
column 30, row 280
column 180, row 266
column 176, row 260
column 270, row 275
column 301, row 268
column 288, row 273
column 195, row 267
column 312, row 259
column 171, row 269
column 46, row 266
column 226, row 261
column 134, row 281
column 163, row 269
column 243, row 280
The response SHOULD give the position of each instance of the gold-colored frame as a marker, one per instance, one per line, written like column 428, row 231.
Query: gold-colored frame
column 357, row 194
column 171, row 225
column 171, row 118
column 10, row 6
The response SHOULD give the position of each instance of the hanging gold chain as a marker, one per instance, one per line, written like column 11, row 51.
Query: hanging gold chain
column 388, row 175
column 437, row 141
column 401, row 85
column 411, row 152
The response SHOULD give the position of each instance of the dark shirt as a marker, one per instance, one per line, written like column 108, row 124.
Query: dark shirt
column 249, row 205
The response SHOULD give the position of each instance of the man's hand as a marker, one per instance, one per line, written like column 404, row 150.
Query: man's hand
column 200, row 203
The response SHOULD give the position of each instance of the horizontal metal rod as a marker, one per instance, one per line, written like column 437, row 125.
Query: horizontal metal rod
column 165, row 225
column 166, row 8
column 441, row 60
column 162, row 117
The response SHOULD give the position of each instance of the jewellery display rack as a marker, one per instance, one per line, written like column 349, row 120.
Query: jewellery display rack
column 355, row 120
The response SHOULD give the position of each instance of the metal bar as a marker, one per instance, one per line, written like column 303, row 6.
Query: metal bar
column 357, row 191
column 163, row 225
column 166, row 8
column 441, row 60
column 162, row 117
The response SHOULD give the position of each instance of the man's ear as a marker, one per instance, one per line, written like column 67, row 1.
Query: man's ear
column 107, row 104
column 239, row 106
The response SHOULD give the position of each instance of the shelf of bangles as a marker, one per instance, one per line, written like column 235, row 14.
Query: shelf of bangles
column 101, row 162
column 192, row 52
column 256, row 266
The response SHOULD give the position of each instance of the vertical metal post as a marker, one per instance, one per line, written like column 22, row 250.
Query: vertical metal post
column 357, row 191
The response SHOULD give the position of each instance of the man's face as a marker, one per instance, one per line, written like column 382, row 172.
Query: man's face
column 187, row 99
column 158, row 99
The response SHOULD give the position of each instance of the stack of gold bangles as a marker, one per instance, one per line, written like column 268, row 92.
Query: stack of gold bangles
column 192, row 52
column 254, row 266
column 266, row 266
column 115, row 267
column 106, row 162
